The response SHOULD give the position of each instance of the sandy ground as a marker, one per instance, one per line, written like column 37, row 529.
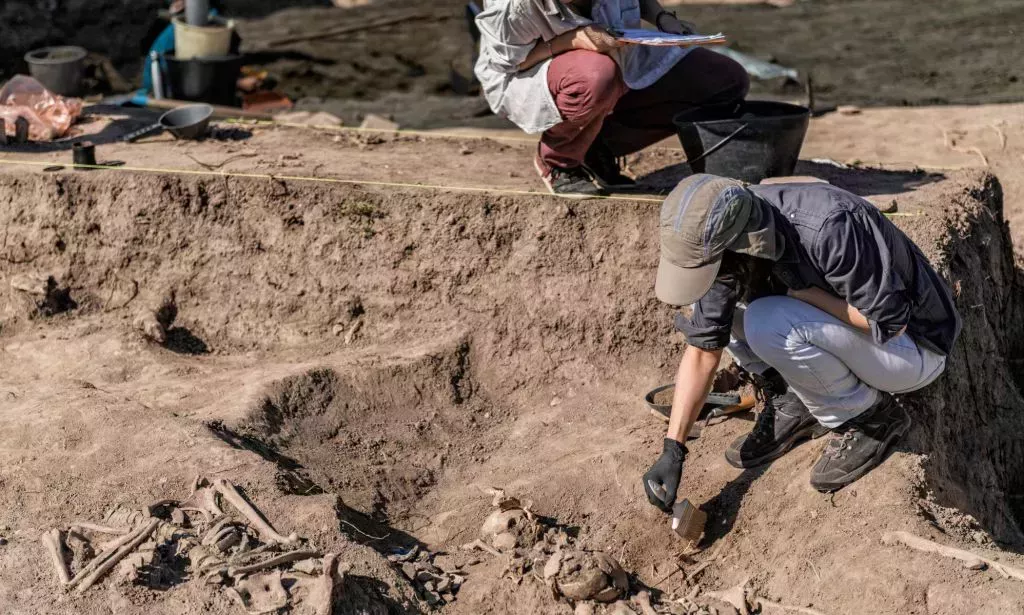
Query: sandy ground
column 936, row 140
column 374, row 327
column 861, row 52
column 504, row 339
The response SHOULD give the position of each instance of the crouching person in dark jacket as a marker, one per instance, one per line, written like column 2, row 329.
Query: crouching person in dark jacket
column 841, row 311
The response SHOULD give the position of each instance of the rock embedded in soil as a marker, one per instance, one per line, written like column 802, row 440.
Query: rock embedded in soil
column 33, row 295
column 587, row 575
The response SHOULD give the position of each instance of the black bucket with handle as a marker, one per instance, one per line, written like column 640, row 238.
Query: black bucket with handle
column 755, row 140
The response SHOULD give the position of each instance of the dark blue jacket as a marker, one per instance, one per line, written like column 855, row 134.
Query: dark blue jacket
column 840, row 243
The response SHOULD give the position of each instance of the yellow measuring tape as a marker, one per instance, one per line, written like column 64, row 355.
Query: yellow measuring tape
column 309, row 178
column 429, row 134
column 334, row 180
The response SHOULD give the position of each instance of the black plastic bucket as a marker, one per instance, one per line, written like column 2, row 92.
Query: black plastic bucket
column 211, row 79
column 59, row 69
column 759, row 139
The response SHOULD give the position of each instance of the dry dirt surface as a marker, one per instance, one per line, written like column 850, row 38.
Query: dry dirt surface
column 368, row 359
column 859, row 52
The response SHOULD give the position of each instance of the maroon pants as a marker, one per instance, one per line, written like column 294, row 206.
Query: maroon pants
column 595, row 102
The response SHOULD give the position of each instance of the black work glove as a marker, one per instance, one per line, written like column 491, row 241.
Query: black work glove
column 662, row 481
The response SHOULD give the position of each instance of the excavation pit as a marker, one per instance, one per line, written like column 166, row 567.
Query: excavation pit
column 377, row 356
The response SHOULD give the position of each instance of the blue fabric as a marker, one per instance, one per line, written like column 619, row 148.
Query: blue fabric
column 163, row 44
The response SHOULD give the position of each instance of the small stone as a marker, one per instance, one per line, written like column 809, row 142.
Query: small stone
column 553, row 565
column 891, row 208
column 307, row 566
column 308, row 118
column 555, row 401
column 487, row 415
column 445, row 584
column 584, row 608
column 429, row 586
column 33, row 284
column 3, row 542
column 848, row 110
column 457, row 581
column 375, row 122
column 410, row 571
column 432, row 598
column 465, row 151
column 445, row 563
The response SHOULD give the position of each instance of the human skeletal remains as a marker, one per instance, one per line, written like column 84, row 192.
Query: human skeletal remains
column 234, row 547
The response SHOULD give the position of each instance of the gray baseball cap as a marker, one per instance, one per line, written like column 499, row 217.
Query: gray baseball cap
column 700, row 218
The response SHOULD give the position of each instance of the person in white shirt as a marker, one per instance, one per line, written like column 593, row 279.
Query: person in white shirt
column 552, row 67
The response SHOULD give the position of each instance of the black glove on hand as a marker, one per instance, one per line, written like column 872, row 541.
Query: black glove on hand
column 662, row 481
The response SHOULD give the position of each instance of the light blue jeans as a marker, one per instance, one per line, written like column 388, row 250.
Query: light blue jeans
column 837, row 371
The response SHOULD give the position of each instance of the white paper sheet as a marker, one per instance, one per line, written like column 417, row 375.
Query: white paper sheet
column 664, row 39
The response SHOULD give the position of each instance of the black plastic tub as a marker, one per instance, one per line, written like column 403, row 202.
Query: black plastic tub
column 59, row 69
column 757, row 140
column 210, row 80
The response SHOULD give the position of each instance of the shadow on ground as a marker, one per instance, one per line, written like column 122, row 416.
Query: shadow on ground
column 861, row 181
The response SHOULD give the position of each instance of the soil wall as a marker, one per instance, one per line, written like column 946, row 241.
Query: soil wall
column 970, row 421
column 541, row 289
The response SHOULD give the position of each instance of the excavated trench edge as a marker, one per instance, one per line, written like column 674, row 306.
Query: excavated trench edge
column 437, row 251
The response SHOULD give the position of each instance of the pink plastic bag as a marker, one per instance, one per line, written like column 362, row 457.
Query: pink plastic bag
column 49, row 115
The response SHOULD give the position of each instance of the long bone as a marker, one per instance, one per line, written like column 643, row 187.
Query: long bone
column 263, row 527
column 52, row 541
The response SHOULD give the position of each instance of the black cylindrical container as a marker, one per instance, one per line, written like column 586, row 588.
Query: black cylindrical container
column 83, row 153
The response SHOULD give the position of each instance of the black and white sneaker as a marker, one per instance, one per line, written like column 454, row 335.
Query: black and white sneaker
column 604, row 166
column 572, row 183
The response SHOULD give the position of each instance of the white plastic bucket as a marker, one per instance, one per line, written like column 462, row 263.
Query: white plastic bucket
column 202, row 41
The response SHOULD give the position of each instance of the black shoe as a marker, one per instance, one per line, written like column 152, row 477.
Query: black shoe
column 601, row 162
column 782, row 423
column 573, row 183
column 860, row 444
